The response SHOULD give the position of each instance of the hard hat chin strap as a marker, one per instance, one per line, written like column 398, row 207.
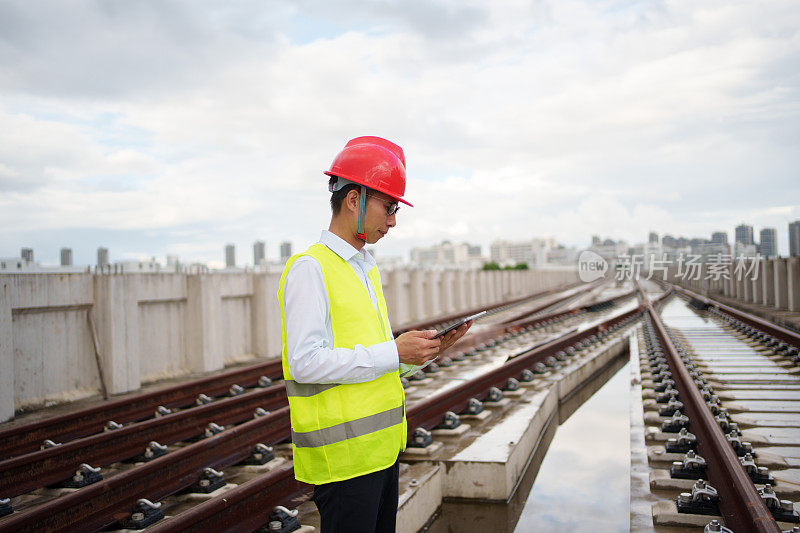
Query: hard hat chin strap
column 362, row 205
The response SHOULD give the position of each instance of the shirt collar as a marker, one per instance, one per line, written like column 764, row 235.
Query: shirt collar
column 344, row 249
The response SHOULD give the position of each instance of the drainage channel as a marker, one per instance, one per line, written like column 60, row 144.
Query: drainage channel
column 580, row 467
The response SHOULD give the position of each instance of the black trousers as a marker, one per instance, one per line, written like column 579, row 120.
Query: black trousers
column 363, row 504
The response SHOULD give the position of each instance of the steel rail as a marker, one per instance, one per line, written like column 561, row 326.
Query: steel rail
column 103, row 503
column 521, row 322
column 468, row 342
column 430, row 323
column 551, row 303
column 242, row 509
column 246, row 507
column 786, row 335
column 24, row 473
column 740, row 504
column 28, row 437
column 428, row 413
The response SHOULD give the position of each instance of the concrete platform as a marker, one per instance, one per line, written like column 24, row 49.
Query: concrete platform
column 420, row 496
column 488, row 469
column 490, row 466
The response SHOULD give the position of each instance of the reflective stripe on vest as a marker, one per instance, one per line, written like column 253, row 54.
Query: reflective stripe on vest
column 305, row 390
column 340, row 431
column 349, row 430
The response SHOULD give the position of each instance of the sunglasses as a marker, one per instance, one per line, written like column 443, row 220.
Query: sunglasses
column 391, row 207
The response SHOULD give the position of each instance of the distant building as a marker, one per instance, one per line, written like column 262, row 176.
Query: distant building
column 448, row 255
column 66, row 257
column 744, row 250
column 744, row 234
column 596, row 240
column 259, row 253
column 286, row 250
column 768, row 242
column 102, row 257
column 389, row 262
column 26, row 265
column 135, row 266
column 230, row 256
column 711, row 251
column 533, row 252
column 794, row 238
column 173, row 263
column 653, row 237
column 562, row 255
column 719, row 237
column 12, row 264
column 611, row 250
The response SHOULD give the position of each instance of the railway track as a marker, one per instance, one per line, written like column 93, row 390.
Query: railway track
column 432, row 411
column 721, row 399
column 248, row 437
column 17, row 439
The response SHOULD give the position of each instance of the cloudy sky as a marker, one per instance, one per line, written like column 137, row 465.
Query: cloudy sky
column 169, row 127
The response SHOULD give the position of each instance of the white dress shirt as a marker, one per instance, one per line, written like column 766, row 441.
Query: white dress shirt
column 309, row 336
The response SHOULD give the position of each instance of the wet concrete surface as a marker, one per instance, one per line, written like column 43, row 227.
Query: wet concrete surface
column 580, row 482
column 584, row 479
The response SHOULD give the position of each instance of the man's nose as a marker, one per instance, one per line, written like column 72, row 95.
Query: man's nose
column 391, row 221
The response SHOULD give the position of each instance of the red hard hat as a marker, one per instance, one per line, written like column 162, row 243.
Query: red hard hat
column 375, row 163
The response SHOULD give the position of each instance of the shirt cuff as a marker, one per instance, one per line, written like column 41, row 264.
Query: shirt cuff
column 407, row 370
column 385, row 357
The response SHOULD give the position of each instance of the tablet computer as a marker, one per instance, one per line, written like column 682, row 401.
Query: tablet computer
column 457, row 324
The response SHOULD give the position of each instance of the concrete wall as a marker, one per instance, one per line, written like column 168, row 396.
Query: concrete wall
column 773, row 283
column 153, row 326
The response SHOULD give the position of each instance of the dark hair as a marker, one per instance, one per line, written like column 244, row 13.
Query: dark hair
column 337, row 197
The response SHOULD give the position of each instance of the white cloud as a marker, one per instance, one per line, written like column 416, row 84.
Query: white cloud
column 552, row 118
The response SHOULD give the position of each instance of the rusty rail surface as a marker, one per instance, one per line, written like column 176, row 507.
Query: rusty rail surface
column 520, row 321
column 427, row 324
column 242, row 509
column 28, row 437
column 36, row 469
column 740, row 503
column 428, row 413
column 101, row 504
column 471, row 340
column 246, row 507
column 23, row 473
column 24, row 438
column 551, row 303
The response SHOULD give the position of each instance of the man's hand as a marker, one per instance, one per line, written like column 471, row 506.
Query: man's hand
column 451, row 337
column 417, row 347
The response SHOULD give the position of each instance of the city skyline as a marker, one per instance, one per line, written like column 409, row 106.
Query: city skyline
column 260, row 255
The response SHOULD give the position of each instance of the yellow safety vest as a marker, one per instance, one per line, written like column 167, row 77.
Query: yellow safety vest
column 340, row 431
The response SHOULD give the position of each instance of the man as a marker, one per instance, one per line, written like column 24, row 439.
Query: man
column 340, row 361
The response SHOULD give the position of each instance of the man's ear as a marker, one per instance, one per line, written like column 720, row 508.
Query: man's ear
column 351, row 200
